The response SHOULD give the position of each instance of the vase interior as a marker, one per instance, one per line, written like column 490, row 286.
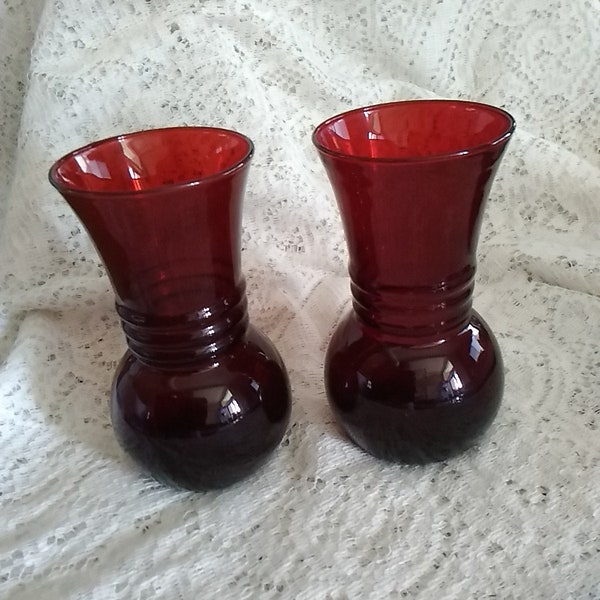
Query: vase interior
column 414, row 130
column 148, row 160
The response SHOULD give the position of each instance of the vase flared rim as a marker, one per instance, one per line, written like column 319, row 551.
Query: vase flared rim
column 467, row 151
column 63, row 186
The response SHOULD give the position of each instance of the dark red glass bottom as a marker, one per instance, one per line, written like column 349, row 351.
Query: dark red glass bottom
column 414, row 404
column 206, row 427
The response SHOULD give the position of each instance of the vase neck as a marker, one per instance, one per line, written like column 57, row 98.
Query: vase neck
column 416, row 315
column 173, row 257
column 412, row 231
column 187, row 338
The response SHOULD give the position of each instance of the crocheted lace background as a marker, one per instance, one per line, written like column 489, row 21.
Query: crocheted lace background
column 516, row 517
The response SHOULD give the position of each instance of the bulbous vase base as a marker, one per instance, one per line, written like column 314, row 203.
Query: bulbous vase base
column 414, row 404
column 206, row 426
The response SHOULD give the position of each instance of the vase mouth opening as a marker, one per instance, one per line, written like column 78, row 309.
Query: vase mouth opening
column 414, row 131
column 152, row 160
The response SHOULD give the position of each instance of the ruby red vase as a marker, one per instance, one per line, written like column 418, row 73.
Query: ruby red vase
column 412, row 372
column 201, row 397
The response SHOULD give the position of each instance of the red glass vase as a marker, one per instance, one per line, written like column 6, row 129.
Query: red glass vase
column 201, row 397
column 412, row 373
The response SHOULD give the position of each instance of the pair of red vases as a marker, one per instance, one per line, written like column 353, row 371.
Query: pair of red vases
column 412, row 373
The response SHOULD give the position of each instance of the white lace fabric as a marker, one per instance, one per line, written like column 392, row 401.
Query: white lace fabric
column 516, row 517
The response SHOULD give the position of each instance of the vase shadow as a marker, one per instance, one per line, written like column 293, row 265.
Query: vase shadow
column 304, row 309
column 70, row 374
